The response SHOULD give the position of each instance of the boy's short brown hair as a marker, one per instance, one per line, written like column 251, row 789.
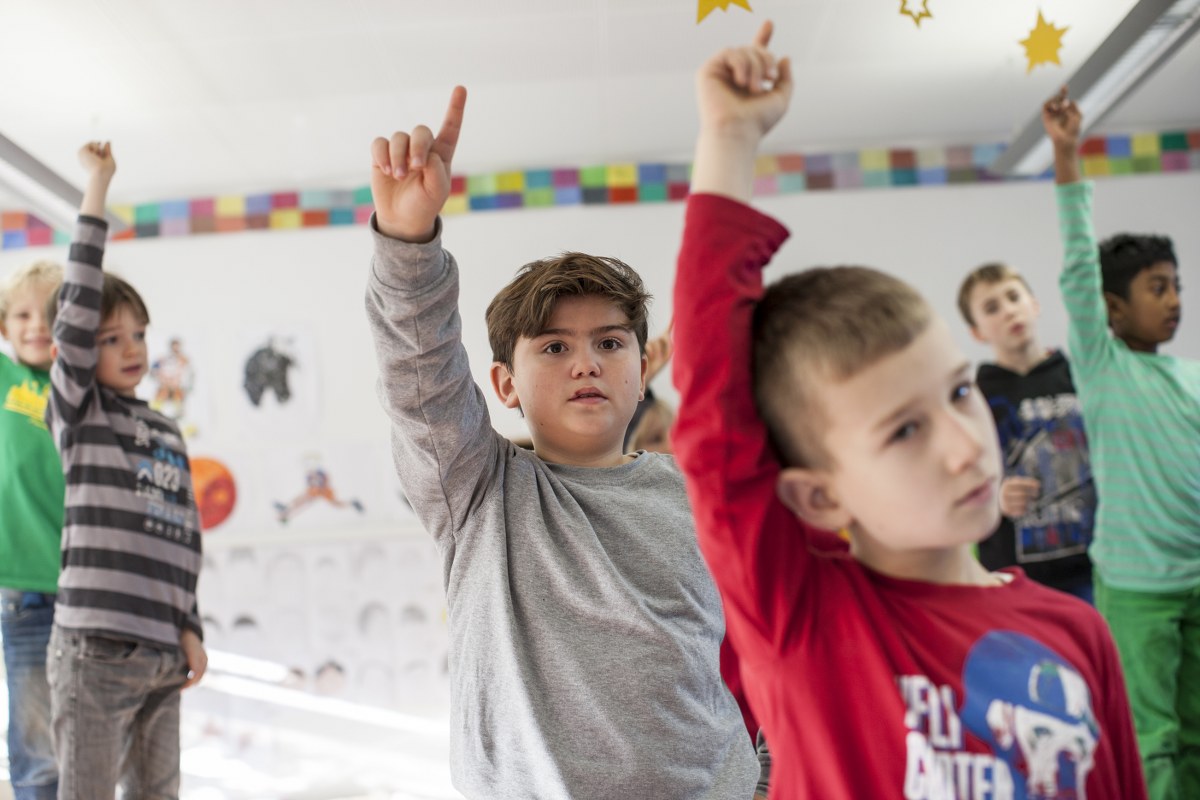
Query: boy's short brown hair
column 822, row 324
column 115, row 293
column 46, row 273
column 990, row 274
column 524, row 306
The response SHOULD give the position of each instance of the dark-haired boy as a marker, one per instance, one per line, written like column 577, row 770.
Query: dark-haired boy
column 893, row 665
column 127, row 634
column 1047, row 497
column 1143, row 416
column 584, row 625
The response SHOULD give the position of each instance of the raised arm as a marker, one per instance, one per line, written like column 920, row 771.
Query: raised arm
column 442, row 441
column 1080, row 281
column 751, row 541
column 78, row 316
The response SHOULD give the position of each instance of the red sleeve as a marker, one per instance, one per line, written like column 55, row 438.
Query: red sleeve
column 754, row 545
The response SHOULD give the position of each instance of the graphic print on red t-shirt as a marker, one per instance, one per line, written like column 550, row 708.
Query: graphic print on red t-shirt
column 1024, row 702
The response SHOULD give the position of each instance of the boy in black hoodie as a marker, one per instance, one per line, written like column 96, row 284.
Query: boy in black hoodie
column 1047, row 497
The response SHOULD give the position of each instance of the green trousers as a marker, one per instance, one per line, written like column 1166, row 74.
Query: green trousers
column 1158, row 637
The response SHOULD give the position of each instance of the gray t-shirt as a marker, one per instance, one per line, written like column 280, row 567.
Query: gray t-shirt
column 584, row 624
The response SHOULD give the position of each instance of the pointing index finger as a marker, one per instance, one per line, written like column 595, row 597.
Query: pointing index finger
column 447, row 136
column 763, row 37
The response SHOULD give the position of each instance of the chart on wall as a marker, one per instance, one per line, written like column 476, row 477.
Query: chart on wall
column 277, row 380
column 361, row 620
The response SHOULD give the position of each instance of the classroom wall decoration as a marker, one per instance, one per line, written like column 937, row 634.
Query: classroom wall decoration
column 177, row 384
column 610, row 184
column 910, row 8
column 358, row 620
column 706, row 7
column 215, row 489
column 1042, row 44
column 277, row 379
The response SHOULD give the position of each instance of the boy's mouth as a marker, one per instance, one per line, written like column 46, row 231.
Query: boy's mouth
column 982, row 493
column 588, row 393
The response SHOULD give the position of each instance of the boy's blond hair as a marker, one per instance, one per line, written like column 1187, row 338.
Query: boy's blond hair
column 990, row 274
column 525, row 305
column 45, row 273
column 824, row 324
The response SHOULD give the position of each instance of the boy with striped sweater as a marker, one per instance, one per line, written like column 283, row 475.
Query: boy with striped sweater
column 1143, row 416
column 127, row 633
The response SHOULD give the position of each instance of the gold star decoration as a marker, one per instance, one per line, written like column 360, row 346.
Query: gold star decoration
column 706, row 7
column 1043, row 44
column 917, row 14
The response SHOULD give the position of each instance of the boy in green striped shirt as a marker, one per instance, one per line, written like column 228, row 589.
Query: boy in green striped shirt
column 1142, row 410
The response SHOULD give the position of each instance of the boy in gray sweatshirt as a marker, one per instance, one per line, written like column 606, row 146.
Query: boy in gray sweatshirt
column 584, row 625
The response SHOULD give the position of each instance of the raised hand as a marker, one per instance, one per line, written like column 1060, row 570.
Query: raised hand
column 658, row 353
column 745, row 88
column 1062, row 120
column 410, row 175
column 97, row 160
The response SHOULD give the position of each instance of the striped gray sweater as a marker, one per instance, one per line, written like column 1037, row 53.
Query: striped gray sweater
column 131, row 538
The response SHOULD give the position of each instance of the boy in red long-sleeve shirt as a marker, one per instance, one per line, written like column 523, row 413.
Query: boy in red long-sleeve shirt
column 893, row 665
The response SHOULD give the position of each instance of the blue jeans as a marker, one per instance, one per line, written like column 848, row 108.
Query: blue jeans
column 115, row 716
column 25, row 622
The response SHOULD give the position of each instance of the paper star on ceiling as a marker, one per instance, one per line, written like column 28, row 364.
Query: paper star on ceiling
column 917, row 14
column 1043, row 44
column 706, row 7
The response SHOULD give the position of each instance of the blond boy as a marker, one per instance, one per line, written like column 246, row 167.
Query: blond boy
column 31, row 515
column 893, row 665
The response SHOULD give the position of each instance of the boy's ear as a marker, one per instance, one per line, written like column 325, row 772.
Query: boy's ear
column 645, row 366
column 810, row 496
column 4, row 333
column 502, row 382
column 1117, row 306
column 976, row 335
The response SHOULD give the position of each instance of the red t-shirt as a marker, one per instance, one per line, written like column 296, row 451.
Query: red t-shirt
column 867, row 686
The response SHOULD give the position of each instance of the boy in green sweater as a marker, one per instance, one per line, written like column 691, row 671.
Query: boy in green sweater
column 1143, row 417
column 31, row 518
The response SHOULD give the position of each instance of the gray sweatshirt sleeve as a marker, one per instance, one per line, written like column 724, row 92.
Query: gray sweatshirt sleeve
column 443, row 444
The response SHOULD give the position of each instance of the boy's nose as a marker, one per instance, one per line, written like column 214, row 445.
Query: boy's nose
column 963, row 444
column 585, row 366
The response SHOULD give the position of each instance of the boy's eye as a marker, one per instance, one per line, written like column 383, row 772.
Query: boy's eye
column 611, row 344
column 554, row 348
column 905, row 431
column 140, row 336
column 108, row 340
column 962, row 391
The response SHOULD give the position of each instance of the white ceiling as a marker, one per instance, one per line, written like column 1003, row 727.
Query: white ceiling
column 233, row 96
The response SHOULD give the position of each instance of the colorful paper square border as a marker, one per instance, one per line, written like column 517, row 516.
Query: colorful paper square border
column 616, row 184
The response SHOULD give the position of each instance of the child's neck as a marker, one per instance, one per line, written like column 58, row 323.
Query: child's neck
column 1139, row 346
column 947, row 566
column 609, row 456
column 1023, row 359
